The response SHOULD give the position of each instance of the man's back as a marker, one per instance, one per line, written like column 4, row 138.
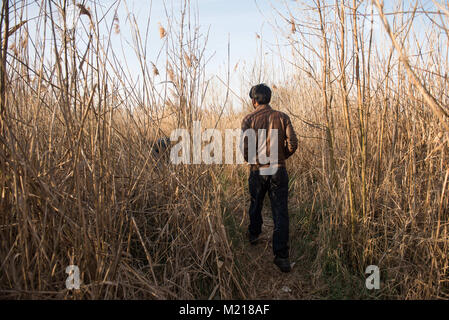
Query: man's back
column 265, row 117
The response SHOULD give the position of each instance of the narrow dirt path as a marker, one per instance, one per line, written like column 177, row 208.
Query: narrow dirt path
column 268, row 281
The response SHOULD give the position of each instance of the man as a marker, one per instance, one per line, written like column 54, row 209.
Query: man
column 275, row 183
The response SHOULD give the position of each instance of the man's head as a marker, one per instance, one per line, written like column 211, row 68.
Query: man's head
column 260, row 94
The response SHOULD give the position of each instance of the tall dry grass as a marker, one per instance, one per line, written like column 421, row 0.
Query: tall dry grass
column 377, row 175
column 79, row 185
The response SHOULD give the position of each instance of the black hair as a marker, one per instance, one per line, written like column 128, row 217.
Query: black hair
column 261, row 93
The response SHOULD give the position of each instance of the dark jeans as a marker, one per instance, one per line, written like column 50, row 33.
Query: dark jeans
column 277, row 187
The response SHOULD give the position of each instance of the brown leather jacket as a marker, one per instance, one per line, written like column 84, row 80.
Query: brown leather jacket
column 264, row 117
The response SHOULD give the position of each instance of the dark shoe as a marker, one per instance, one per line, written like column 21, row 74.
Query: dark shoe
column 283, row 264
column 253, row 239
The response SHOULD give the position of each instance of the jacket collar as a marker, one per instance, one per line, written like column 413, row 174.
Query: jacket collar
column 262, row 107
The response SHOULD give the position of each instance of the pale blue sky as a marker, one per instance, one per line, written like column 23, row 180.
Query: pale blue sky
column 240, row 19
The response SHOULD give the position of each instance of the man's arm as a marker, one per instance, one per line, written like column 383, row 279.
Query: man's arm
column 244, row 142
column 291, row 139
